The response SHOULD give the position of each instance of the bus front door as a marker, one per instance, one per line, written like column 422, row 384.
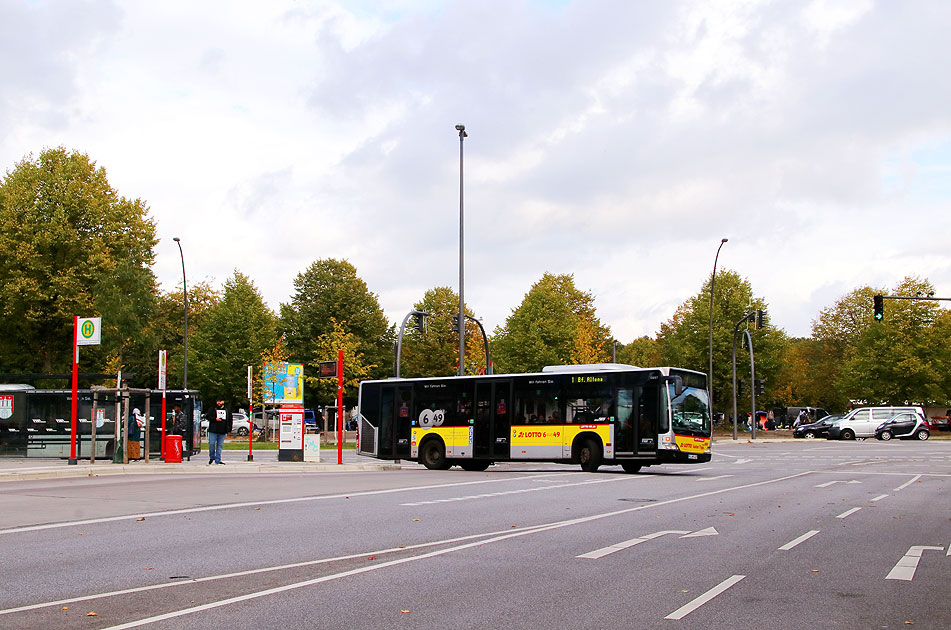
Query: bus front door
column 404, row 423
column 493, row 419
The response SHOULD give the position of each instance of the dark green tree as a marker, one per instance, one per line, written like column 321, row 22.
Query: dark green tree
column 234, row 334
column 555, row 324
column 168, row 324
column 904, row 358
column 685, row 339
column 70, row 245
column 642, row 352
column 436, row 352
column 330, row 289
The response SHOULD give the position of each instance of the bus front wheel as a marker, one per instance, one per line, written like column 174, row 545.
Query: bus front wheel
column 589, row 456
column 433, row 456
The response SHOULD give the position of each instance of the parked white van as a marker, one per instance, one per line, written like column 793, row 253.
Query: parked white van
column 862, row 422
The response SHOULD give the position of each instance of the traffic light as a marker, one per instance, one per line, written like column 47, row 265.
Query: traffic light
column 455, row 323
column 420, row 317
column 760, row 386
column 761, row 319
column 740, row 386
column 879, row 310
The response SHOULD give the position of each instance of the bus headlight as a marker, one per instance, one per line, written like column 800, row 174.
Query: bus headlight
column 668, row 443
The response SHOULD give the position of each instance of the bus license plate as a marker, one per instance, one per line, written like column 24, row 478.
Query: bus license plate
column 692, row 456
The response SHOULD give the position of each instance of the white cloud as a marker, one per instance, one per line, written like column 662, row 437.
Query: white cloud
column 614, row 140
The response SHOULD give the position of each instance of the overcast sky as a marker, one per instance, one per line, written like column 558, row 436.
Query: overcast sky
column 616, row 140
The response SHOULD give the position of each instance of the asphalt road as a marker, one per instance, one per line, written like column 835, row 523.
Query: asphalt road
column 798, row 534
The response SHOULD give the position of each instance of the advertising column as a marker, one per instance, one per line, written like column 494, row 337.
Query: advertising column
column 286, row 383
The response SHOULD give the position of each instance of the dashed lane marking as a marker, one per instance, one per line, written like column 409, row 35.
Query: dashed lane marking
column 795, row 541
column 691, row 606
column 848, row 513
column 907, row 483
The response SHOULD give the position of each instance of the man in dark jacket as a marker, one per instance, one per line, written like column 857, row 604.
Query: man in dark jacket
column 219, row 425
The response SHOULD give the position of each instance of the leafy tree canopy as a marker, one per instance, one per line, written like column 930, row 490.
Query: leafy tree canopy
column 234, row 334
column 685, row 339
column 330, row 289
column 555, row 324
column 435, row 352
column 70, row 245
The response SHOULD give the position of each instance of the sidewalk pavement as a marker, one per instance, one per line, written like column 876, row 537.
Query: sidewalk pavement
column 235, row 462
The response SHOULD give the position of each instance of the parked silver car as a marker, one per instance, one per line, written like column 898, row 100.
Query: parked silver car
column 862, row 422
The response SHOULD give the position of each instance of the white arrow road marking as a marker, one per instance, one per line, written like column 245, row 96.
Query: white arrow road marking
column 604, row 551
column 905, row 569
column 792, row 543
column 691, row 606
column 710, row 531
column 829, row 483
column 712, row 478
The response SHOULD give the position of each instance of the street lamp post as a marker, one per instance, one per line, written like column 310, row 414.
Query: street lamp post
column 710, row 366
column 462, row 311
column 185, row 292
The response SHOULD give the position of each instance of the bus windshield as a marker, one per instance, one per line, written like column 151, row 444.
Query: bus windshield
column 690, row 413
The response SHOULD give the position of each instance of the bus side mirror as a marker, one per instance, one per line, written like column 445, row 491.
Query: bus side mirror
column 678, row 385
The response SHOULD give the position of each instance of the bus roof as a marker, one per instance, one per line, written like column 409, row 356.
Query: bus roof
column 551, row 369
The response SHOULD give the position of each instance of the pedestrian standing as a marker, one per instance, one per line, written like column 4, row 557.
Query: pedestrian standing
column 178, row 421
column 135, row 434
column 219, row 425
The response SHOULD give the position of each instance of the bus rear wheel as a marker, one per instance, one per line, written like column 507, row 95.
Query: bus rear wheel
column 475, row 465
column 589, row 456
column 433, row 456
column 631, row 467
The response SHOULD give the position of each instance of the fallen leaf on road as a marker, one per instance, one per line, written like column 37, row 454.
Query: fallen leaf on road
column 415, row 520
column 732, row 515
column 909, row 623
column 92, row 614
column 404, row 611
column 815, row 570
column 372, row 558
column 141, row 518
column 65, row 607
column 148, row 569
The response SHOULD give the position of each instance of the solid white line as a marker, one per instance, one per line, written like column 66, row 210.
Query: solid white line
column 849, row 512
column 907, row 483
column 691, row 606
column 801, row 539
column 540, row 528
column 712, row 478
column 520, row 491
column 225, row 576
column 229, row 506
column 878, row 498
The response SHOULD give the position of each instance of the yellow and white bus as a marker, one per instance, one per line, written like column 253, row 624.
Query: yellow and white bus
column 609, row 414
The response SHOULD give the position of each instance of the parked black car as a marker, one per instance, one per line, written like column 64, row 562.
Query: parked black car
column 907, row 425
column 816, row 429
